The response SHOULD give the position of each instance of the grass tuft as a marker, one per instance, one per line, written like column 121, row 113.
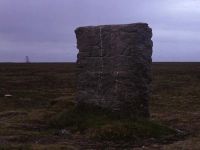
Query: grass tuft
column 132, row 130
column 16, row 147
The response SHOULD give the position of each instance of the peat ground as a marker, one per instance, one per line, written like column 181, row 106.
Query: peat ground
column 32, row 94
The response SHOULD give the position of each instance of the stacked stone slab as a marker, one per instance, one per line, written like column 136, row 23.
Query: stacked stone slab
column 114, row 68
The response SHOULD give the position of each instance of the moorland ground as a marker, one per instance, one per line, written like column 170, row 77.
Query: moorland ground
column 40, row 91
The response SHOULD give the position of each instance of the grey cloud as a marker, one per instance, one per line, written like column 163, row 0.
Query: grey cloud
column 44, row 29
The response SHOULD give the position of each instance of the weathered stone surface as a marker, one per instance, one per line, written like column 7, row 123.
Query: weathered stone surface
column 114, row 67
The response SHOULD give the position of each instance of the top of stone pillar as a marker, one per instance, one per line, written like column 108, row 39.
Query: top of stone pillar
column 135, row 25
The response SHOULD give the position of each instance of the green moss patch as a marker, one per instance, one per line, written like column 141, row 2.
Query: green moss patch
column 103, row 126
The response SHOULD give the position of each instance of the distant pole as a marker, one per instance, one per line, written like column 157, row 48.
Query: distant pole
column 27, row 59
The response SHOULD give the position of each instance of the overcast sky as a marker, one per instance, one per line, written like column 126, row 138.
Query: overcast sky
column 44, row 29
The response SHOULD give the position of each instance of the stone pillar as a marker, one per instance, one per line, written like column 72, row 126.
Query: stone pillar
column 114, row 68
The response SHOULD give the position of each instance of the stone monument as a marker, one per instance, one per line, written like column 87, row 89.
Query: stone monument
column 114, row 68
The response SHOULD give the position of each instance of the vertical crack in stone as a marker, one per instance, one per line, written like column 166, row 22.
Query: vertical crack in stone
column 100, row 84
column 116, row 74
column 116, row 81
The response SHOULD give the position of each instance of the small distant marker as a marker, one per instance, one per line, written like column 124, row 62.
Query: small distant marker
column 27, row 59
column 7, row 95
